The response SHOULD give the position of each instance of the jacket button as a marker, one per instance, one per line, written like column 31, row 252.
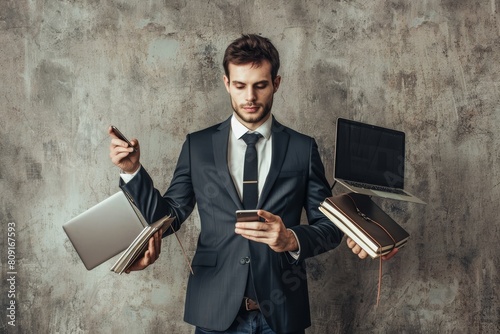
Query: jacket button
column 245, row 260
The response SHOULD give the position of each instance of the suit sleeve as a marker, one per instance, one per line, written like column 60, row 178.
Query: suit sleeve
column 179, row 199
column 320, row 235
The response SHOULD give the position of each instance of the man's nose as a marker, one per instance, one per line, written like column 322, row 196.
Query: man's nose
column 250, row 94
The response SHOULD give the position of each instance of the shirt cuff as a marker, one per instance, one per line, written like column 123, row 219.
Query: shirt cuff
column 295, row 254
column 127, row 177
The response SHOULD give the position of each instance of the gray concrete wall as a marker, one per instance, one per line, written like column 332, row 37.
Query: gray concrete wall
column 68, row 69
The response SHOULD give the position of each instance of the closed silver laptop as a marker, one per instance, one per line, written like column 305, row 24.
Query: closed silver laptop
column 104, row 230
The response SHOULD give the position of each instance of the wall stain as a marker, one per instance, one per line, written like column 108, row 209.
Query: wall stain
column 33, row 170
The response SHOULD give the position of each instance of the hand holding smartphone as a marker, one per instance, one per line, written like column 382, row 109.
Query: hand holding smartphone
column 247, row 216
column 121, row 136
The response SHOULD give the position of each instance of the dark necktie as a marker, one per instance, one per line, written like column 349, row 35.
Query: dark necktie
column 250, row 172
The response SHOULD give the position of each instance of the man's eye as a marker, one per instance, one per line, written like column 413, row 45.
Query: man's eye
column 239, row 86
column 261, row 86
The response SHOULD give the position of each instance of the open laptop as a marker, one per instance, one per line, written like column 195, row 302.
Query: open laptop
column 104, row 230
column 370, row 160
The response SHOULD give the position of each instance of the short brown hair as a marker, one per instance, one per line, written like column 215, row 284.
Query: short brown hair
column 251, row 49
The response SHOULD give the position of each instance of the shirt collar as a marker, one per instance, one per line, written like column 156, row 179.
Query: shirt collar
column 239, row 129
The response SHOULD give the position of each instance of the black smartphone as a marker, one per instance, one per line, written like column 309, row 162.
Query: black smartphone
column 121, row 136
column 247, row 216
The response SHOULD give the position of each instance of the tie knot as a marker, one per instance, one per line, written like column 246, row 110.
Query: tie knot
column 251, row 138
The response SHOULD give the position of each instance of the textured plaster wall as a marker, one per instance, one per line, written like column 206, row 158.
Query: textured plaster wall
column 68, row 69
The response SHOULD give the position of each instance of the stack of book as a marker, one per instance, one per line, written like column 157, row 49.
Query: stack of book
column 365, row 223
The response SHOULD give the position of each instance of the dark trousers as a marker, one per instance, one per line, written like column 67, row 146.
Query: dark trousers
column 245, row 323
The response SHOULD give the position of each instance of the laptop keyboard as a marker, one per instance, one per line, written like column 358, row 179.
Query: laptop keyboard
column 374, row 187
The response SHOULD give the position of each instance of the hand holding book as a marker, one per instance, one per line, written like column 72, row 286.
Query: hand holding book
column 146, row 248
column 370, row 231
column 151, row 254
column 362, row 254
column 369, row 228
column 356, row 249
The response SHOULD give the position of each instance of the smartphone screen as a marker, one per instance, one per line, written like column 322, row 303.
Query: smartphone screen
column 121, row 136
column 247, row 216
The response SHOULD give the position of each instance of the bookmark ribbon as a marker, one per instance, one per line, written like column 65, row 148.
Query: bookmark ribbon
column 391, row 254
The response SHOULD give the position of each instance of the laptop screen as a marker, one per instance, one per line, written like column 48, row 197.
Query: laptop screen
column 369, row 154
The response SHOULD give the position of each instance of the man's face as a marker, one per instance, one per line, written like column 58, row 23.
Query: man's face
column 251, row 90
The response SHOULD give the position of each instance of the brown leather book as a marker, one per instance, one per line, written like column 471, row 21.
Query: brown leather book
column 365, row 223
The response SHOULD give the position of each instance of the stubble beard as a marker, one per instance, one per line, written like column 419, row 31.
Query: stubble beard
column 254, row 118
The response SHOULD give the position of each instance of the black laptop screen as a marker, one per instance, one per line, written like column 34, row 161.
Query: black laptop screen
column 369, row 154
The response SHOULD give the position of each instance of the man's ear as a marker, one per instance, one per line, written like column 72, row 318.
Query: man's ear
column 226, row 82
column 276, row 83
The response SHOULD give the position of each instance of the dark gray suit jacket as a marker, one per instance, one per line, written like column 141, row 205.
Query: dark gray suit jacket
column 296, row 181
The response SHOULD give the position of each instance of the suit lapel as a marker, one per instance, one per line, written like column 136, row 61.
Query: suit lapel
column 280, row 146
column 220, row 146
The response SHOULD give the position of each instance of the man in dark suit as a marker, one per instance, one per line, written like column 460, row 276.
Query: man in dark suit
column 247, row 273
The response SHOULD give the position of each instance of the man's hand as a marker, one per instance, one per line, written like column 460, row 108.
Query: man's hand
column 356, row 249
column 151, row 255
column 122, row 155
column 271, row 232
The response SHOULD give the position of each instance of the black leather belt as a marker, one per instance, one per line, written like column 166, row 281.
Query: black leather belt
column 248, row 305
